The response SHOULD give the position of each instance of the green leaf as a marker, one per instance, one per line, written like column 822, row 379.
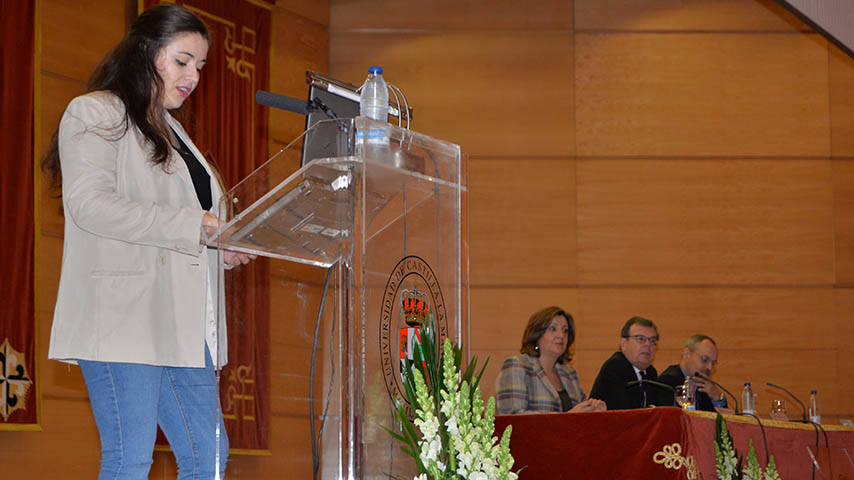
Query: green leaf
column 395, row 435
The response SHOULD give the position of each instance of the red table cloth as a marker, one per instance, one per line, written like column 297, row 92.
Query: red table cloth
column 656, row 443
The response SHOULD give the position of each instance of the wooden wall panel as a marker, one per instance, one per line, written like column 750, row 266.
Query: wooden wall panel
column 684, row 15
column 499, row 315
column 701, row 94
column 299, row 44
column 67, row 447
column 290, row 453
column 704, row 222
column 798, row 370
column 77, row 35
column 845, row 352
column 522, row 229
column 737, row 318
column 49, row 266
column 317, row 12
column 841, row 72
column 488, row 92
column 843, row 219
column 451, row 15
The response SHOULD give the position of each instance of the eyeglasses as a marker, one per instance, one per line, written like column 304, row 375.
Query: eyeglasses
column 642, row 339
column 708, row 359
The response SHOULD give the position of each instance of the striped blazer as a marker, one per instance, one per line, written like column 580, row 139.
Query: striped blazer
column 523, row 387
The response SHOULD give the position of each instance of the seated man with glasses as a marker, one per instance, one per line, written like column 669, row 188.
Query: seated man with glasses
column 638, row 342
column 700, row 354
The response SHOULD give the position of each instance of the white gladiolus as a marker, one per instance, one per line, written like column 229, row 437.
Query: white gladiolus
column 470, row 451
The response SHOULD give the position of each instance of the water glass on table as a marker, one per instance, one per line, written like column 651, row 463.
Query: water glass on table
column 685, row 395
column 778, row 410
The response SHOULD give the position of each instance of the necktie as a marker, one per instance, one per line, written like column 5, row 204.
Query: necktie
column 643, row 387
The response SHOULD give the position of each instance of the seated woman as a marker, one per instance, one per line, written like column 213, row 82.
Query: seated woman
column 540, row 379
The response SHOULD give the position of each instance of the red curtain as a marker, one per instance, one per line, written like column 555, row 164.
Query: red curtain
column 17, row 217
column 231, row 130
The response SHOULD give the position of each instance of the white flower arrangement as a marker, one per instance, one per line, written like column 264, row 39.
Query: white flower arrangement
column 456, row 430
column 729, row 466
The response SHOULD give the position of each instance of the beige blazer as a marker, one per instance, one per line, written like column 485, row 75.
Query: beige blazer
column 134, row 282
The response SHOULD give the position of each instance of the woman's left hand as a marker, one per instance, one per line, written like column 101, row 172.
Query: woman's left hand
column 237, row 258
column 590, row 405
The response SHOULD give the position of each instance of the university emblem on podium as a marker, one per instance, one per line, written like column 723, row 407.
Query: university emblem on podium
column 412, row 301
column 415, row 309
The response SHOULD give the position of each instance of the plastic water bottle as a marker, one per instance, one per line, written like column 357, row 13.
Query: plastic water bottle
column 747, row 400
column 815, row 413
column 373, row 101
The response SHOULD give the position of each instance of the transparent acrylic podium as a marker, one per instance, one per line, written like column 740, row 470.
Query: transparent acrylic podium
column 385, row 211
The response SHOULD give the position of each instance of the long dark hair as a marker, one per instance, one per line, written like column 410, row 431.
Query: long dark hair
column 129, row 71
column 537, row 326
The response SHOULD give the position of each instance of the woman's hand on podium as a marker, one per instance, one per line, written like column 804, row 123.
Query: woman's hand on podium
column 232, row 258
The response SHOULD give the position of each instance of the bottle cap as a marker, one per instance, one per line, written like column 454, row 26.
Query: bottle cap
column 374, row 69
column 813, row 392
column 746, row 384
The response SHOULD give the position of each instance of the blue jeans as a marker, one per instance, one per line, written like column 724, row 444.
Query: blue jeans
column 129, row 400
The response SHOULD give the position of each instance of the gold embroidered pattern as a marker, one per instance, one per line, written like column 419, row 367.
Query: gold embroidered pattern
column 671, row 457
column 237, row 54
column 239, row 397
column 14, row 381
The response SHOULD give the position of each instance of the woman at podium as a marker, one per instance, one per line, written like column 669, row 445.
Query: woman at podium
column 540, row 379
column 135, row 307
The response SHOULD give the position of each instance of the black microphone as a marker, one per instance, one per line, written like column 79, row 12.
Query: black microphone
column 706, row 378
column 282, row 102
column 803, row 408
column 657, row 384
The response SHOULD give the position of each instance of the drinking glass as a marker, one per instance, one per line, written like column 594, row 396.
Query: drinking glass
column 778, row 406
column 685, row 396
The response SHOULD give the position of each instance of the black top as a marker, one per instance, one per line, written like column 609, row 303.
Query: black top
column 201, row 177
column 565, row 401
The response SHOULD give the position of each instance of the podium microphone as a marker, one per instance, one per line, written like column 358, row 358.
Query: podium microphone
column 803, row 408
column 282, row 102
column 706, row 378
column 653, row 382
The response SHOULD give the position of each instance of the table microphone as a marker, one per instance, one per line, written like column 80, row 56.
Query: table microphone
column 653, row 382
column 706, row 378
column 803, row 408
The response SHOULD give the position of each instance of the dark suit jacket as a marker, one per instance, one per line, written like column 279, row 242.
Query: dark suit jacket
column 673, row 376
column 610, row 386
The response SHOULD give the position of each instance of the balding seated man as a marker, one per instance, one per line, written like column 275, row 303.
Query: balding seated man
column 700, row 354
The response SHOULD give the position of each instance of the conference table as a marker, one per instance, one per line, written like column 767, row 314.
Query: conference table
column 661, row 443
